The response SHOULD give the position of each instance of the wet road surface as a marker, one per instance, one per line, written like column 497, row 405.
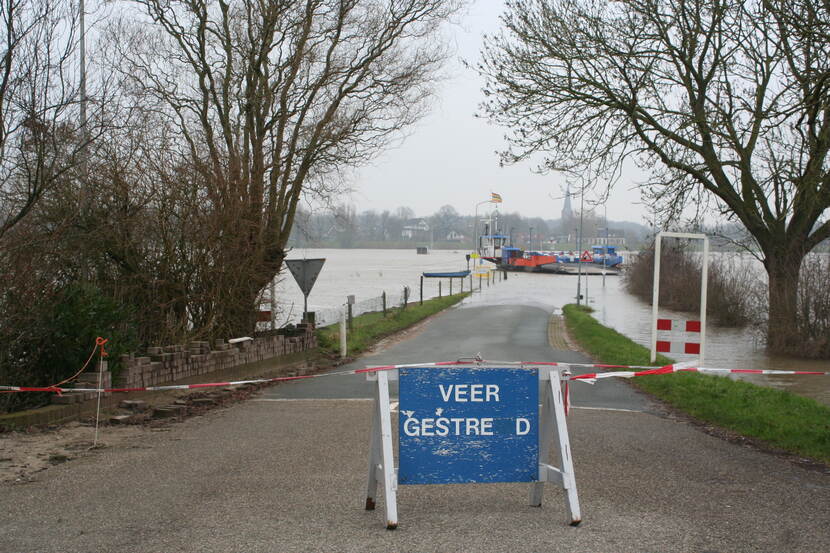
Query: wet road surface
column 499, row 332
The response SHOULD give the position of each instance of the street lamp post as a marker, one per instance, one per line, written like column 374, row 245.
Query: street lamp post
column 530, row 240
column 579, row 251
column 605, row 257
column 476, row 243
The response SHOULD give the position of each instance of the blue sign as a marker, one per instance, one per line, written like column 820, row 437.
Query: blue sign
column 468, row 425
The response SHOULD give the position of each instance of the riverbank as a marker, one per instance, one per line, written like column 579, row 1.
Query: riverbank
column 773, row 419
column 369, row 328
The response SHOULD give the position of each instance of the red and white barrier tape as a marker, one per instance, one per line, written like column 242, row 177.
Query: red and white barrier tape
column 59, row 390
column 589, row 378
column 684, row 367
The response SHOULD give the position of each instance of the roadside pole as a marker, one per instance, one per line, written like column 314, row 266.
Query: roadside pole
column 343, row 348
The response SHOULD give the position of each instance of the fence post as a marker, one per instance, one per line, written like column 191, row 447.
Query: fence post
column 451, row 286
column 351, row 328
column 505, row 274
column 383, row 300
column 462, row 285
column 439, row 288
column 422, row 289
column 343, row 348
column 405, row 297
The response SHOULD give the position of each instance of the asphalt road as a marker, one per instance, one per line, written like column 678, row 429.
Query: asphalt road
column 502, row 332
column 286, row 472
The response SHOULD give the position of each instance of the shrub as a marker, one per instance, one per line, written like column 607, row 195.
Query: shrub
column 55, row 341
column 731, row 287
column 813, row 332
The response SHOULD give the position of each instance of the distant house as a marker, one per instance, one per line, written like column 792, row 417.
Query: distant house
column 414, row 228
column 454, row 236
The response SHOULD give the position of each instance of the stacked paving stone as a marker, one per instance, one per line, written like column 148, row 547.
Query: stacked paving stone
column 163, row 365
column 85, row 380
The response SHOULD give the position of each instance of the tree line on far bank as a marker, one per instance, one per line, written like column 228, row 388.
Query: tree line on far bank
column 344, row 227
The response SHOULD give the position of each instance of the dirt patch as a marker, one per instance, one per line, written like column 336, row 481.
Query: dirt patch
column 24, row 454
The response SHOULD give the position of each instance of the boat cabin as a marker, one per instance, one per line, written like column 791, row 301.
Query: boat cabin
column 606, row 255
column 492, row 245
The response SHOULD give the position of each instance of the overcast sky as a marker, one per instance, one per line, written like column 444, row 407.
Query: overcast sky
column 449, row 157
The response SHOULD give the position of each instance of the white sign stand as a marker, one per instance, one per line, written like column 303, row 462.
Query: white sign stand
column 552, row 426
column 381, row 458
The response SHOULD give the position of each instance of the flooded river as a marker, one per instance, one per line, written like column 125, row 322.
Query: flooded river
column 367, row 273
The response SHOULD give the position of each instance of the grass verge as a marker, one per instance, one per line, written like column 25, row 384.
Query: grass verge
column 781, row 419
column 369, row 328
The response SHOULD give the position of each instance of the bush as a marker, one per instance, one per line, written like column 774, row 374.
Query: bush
column 57, row 339
column 731, row 288
column 813, row 339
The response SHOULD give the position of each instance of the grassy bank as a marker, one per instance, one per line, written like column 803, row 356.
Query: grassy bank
column 371, row 327
column 782, row 419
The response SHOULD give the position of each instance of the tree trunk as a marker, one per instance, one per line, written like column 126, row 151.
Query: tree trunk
column 783, row 269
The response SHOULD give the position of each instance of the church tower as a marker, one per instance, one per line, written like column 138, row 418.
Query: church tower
column 567, row 211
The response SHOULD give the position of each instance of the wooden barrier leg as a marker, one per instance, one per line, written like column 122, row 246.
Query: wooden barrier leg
column 545, row 432
column 566, row 462
column 374, row 456
column 390, row 481
column 552, row 421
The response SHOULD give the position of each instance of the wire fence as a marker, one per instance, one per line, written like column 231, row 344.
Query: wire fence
column 385, row 301
column 426, row 289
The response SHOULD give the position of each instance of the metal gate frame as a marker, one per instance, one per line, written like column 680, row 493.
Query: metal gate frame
column 703, row 288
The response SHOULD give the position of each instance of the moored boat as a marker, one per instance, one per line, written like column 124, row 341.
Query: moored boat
column 492, row 247
column 601, row 260
column 448, row 274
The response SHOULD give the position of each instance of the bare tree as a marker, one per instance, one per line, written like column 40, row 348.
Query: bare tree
column 272, row 100
column 445, row 221
column 40, row 137
column 720, row 99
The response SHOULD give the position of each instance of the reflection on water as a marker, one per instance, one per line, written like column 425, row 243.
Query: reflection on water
column 366, row 273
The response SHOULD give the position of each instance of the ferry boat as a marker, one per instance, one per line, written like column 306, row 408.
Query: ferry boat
column 602, row 259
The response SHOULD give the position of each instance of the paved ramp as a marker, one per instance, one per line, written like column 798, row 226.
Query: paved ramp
column 498, row 332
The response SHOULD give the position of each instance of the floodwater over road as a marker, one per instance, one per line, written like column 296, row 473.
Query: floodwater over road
column 367, row 273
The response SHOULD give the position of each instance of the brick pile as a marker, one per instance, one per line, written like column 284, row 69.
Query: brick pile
column 163, row 365
column 85, row 380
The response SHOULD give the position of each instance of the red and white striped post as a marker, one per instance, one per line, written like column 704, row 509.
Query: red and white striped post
column 703, row 285
column 680, row 332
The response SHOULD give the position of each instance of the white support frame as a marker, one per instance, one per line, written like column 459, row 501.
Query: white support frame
column 381, row 458
column 704, row 281
column 552, row 426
